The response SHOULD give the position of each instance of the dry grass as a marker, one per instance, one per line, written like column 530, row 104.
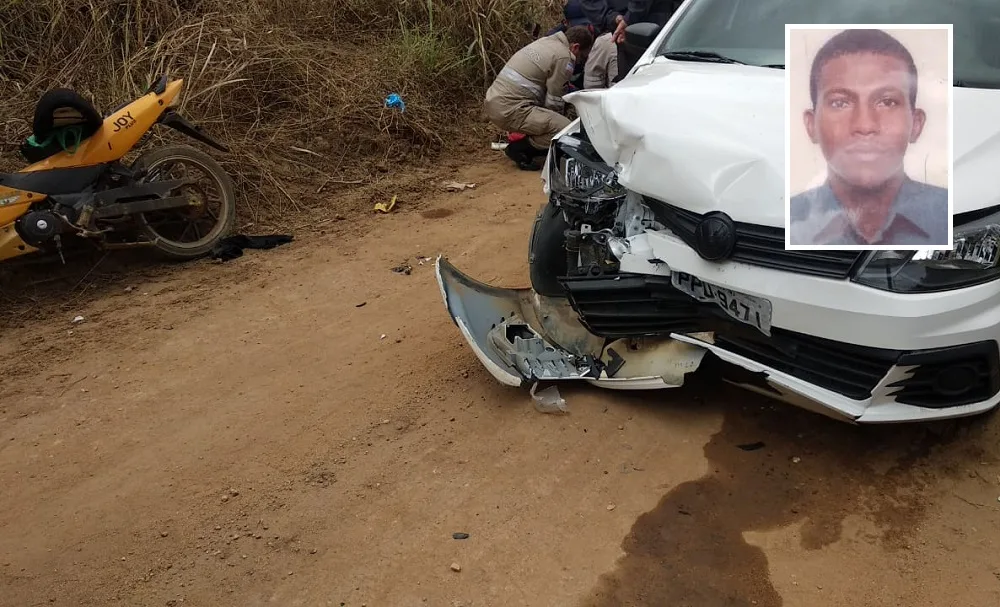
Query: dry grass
column 295, row 87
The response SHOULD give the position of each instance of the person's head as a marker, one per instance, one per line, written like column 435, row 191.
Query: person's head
column 863, row 86
column 580, row 41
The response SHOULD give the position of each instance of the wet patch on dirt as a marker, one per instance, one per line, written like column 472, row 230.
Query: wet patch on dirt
column 802, row 469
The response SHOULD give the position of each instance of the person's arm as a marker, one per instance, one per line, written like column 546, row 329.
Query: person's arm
column 593, row 76
column 599, row 13
column 611, row 75
column 638, row 11
column 559, row 75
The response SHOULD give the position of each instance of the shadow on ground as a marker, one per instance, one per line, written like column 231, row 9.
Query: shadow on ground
column 31, row 287
column 771, row 466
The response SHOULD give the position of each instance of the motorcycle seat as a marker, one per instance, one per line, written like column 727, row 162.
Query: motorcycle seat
column 63, row 119
column 54, row 182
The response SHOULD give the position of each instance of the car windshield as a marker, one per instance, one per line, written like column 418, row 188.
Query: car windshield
column 753, row 31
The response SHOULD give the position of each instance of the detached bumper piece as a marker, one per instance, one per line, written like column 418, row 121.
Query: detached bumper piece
column 492, row 320
column 522, row 338
column 523, row 350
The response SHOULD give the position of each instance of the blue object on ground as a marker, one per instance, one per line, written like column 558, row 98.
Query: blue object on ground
column 395, row 101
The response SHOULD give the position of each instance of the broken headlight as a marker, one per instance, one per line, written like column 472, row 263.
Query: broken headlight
column 577, row 171
column 973, row 260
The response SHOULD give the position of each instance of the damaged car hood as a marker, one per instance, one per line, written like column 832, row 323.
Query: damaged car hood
column 711, row 137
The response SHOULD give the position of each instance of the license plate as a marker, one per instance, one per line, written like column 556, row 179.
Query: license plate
column 754, row 311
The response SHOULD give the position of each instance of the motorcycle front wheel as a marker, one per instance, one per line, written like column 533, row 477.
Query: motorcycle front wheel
column 190, row 232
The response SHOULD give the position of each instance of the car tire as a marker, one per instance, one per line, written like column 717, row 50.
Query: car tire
column 547, row 251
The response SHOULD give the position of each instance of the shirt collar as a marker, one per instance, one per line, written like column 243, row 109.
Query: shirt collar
column 840, row 228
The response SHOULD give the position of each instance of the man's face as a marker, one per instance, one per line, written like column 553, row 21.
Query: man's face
column 863, row 120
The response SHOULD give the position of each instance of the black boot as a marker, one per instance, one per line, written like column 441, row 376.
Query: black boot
column 536, row 158
column 520, row 152
column 525, row 155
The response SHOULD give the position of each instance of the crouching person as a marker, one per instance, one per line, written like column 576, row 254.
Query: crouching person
column 601, row 70
column 527, row 95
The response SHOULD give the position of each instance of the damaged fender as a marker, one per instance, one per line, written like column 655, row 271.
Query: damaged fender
column 522, row 337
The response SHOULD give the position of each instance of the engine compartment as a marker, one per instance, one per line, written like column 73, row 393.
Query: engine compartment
column 588, row 219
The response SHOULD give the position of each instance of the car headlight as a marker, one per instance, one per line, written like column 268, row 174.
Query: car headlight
column 577, row 172
column 972, row 261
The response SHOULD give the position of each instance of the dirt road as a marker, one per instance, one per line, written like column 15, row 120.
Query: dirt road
column 243, row 434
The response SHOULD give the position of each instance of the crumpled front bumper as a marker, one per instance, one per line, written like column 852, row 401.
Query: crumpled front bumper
column 522, row 338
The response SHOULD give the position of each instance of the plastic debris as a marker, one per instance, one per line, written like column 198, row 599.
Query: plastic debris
column 385, row 208
column 549, row 400
column 499, row 145
column 78, row 320
column 305, row 151
column 457, row 186
column 395, row 101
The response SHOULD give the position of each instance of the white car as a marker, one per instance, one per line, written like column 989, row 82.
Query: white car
column 628, row 292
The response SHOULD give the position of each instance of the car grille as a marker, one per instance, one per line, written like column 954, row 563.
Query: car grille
column 846, row 369
column 630, row 305
column 762, row 246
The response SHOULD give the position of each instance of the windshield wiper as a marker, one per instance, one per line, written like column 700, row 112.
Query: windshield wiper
column 775, row 66
column 709, row 56
column 968, row 84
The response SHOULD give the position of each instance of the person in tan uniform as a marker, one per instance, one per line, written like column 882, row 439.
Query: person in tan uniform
column 527, row 95
column 601, row 70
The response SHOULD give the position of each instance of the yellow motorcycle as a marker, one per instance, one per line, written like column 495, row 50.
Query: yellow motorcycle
column 175, row 199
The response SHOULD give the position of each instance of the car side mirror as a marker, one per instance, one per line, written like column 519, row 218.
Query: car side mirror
column 638, row 38
column 641, row 35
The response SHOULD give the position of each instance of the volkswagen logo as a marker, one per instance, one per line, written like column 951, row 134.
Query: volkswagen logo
column 715, row 236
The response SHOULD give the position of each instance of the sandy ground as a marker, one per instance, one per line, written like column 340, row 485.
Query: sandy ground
column 241, row 434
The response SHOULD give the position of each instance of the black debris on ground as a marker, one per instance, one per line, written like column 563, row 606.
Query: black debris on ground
column 232, row 247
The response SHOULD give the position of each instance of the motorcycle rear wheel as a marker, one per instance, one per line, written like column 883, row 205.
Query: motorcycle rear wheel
column 168, row 229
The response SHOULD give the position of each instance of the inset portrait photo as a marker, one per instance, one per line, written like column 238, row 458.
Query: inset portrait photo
column 868, row 148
